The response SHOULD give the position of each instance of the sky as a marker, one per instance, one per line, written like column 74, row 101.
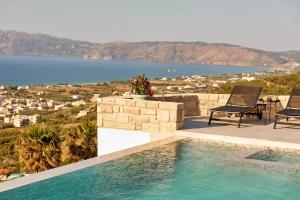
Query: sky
column 263, row 24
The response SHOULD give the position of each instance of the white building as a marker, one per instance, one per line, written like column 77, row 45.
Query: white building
column 19, row 121
column 248, row 78
column 35, row 119
column 78, row 103
column 76, row 97
column 7, row 120
column 82, row 113
column 26, row 87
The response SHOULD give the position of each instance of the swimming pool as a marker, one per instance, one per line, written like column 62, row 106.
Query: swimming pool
column 187, row 169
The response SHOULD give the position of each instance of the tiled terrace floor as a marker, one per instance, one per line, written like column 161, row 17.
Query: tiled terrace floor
column 251, row 129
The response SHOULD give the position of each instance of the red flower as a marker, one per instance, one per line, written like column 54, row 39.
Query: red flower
column 135, row 81
column 151, row 94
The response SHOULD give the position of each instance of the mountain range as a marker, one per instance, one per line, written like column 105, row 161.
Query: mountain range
column 25, row 44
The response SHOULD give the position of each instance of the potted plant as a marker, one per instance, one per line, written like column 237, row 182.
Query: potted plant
column 140, row 87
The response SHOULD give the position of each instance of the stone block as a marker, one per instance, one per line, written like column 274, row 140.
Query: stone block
column 152, row 104
column 152, row 118
column 109, row 117
column 167, row 126
column 213, row 97
column 168, row 106
column 126, row 126
column 211, row 104
column 204, row 112
column 141, row 104
column 108, row 100
column 130, row 103
column 139, row 119
column 99, row 100
column 123, row 118
column 163, row 115
column 180, row 106
column 131, row 110
column 150, row 127
column 193, row 112
column 203, row 102
column 190, row 104
column 176, row 116
column 108, row 124
column 116, row 108
column 148, row 111
column 104, row 108
column 138, row 126
column 99, row 120
column 203, row 96
column 120, row 101
column 179, row 125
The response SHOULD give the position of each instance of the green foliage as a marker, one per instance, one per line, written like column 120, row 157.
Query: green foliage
column 38, row 148
column 80, row 143
column 7, row 125
column 74, row 92
column 8, row 154
column 277, row 85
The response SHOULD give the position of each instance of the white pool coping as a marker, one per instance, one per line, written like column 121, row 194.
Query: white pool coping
column 33, row 178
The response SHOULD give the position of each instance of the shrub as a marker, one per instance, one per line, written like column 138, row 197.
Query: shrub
column 39, row 148
column 80, row 143
column 140, row 85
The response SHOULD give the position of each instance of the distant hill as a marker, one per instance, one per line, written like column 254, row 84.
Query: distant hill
column 25, row 44
column 293, row 55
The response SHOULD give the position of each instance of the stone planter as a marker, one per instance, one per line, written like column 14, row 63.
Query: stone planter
column 140, row 97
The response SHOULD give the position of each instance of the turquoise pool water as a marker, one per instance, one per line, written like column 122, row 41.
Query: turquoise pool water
column 184, row 170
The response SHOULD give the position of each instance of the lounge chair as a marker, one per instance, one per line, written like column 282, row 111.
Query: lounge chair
column 242, row 101
column 292, row 109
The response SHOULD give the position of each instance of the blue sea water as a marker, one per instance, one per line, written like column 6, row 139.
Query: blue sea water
column 35, row 70
column 184, row 170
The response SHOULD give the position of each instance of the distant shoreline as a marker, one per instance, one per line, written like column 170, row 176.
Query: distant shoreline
column 129, row 61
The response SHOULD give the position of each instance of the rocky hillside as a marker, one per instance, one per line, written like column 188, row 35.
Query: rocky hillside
column 292, row 55
column 25, row 44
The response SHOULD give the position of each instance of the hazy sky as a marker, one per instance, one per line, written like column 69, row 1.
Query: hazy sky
column 264, row 24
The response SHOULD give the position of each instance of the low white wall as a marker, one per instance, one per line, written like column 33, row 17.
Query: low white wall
column 111, row 140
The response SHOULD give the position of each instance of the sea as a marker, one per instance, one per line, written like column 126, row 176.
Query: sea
column 21, row 70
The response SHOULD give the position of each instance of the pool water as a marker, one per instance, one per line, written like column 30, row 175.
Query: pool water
column 183, row 170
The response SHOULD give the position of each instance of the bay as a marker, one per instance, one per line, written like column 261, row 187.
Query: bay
column 17, row 70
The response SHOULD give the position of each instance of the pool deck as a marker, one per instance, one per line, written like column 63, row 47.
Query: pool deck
column 253, row 133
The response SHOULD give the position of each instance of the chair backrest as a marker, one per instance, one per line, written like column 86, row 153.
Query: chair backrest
column 294, row 101
column 244, row 96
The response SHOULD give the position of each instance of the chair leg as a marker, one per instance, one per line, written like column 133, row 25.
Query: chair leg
column 210, row 117
column 241, row 116
column 287, row 119
column 275, row 121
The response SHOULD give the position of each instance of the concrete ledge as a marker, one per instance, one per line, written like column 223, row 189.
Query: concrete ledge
column 241, row 141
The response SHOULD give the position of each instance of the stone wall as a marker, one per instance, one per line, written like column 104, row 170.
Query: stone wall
column 163, row 114
column 190, row 102
column 208, row 101
column 198, row 104
column 149, row 116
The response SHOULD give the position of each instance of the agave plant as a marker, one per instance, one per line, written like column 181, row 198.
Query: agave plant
column 80, row 143
column 38, row 148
